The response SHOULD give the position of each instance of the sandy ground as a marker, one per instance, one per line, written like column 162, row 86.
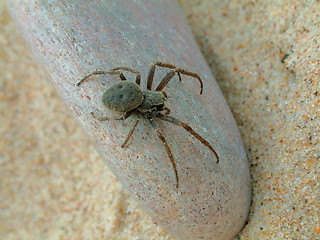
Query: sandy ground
column 265, row 56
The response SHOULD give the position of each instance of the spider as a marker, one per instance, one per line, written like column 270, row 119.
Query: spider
column 127, row 97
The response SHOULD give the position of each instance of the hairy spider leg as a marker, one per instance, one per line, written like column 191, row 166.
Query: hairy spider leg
column 130, row 134
column 166, row 79
column 151, row 74
column 156, row 127
column 112, row 72
column 138, row 77
column 122, row 77
column 179, row 71
column 187, row 128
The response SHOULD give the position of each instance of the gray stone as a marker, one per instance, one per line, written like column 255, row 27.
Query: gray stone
column 75, row 38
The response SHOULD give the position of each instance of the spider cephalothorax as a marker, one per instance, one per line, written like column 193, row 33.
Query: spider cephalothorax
column 126, row 97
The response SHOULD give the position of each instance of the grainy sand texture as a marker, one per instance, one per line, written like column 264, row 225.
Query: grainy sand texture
column 265, row 56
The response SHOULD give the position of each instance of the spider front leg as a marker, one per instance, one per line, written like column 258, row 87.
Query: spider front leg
column 122, row 77
column 189, row 129
column 166, row 79
column 156, row 127
column 114, row 71
column 153, row 69
column 138, row 77
column 178, row 70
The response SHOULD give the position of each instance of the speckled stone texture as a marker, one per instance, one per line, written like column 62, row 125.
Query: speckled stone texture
column 73, row 38
column 265, row 56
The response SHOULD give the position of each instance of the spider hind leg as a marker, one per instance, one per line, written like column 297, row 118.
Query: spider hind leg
column 156, row 127
column 188, row 129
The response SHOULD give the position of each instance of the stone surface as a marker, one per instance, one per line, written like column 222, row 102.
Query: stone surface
column 73, row 39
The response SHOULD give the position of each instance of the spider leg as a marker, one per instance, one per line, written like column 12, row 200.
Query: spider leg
column 130, row 134
column 167, row 110
column 156, row 127
column 192, row 74
column 151, row 73
column 112, row 72
column 122, row 77
column 166, row 79
column 179, row 70
column 189, row 129
column 102, row 118
column 138, row 77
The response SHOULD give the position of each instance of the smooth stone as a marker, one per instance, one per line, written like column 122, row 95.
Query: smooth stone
column 213, row 199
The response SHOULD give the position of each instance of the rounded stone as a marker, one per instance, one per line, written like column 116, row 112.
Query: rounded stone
column 213, row 199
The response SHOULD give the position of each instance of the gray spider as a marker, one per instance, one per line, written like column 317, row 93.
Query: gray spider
column 127, row 97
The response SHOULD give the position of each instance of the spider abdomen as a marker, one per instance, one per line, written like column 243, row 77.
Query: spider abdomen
column 123, row 96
